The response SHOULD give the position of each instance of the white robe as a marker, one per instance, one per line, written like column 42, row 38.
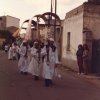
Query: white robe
column 49, row 69
column 6, row 47
column 34, row 66
column 10, row 53
column 29, row 55
column 14, row 52
column 23, row 61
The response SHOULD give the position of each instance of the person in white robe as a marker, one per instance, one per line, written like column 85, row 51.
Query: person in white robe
column 51, row 59
column 14, row 49
column 17, row 50
column 23, row 61
column 34, row 66
column 42, row 56
column 10, row 53
column 6, row 48
column 29, row 54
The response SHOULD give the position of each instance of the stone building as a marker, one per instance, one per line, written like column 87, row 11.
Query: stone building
column 81, row 25
column 9, row 23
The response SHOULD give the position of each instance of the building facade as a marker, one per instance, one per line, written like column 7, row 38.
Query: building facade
column 81, row 25
column 9, row 23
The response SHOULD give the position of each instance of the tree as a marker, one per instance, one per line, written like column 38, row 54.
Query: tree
column 7, row 36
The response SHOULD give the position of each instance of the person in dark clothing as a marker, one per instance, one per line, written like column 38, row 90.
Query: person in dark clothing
column 86, row 59
column 79, row 55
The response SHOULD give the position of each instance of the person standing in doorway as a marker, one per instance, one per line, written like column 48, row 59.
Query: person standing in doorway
column 79, row 55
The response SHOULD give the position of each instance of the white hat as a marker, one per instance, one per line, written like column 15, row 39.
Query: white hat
column 35, row 42
column 24, row 41
column 51, row 39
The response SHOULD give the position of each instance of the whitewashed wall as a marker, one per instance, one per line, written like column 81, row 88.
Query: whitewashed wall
column 74, row 25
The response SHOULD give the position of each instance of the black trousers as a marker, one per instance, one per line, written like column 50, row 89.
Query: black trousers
column 36, row 77
column 48, row 82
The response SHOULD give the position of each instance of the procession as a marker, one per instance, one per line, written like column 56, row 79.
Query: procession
column 50, row 50
column 40, row 59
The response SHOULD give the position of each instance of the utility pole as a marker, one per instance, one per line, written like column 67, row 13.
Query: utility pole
column 55, row 6
column 55, row 20
column 38, row 36
column 51, row 6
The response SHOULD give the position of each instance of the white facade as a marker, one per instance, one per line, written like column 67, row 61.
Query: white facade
column 82, row 25
column 74, row 26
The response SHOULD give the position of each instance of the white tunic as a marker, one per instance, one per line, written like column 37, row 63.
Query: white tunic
column 14, row 51
column 49, row 69
column 34, row 66
column 23, row 62
column 6, row 47
column 10, row 53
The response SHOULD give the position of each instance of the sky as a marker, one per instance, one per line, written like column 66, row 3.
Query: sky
column 25, row 9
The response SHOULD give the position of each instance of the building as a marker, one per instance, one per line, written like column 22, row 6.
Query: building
column 81, row 25
column 9, row 23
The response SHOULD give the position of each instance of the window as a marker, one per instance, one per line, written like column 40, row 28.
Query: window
column 68, row 41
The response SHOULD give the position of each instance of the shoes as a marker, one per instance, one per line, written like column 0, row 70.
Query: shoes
column 78, row 73
column 82, row 73
column 36, row 78
column 24, row 73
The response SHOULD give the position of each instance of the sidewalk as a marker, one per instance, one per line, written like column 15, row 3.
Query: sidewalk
column 92, row 78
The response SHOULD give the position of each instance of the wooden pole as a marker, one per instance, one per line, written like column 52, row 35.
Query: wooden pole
column 55, row 20
column 37, row 36
column 51, row 6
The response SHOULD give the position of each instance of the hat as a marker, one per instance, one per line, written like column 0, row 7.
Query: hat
column 35, row 42
column 24, row 41
column 51, row 39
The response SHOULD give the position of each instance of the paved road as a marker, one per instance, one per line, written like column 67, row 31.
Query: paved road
column 14, row 86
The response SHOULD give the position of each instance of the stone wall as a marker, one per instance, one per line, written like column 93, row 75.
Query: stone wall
column 92, row 19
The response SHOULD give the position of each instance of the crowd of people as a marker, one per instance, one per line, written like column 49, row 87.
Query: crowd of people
column 83, row 59
column 41, row 59
column 12, row 50
column 37, row 58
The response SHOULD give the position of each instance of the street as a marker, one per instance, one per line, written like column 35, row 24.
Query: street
column 15, row 86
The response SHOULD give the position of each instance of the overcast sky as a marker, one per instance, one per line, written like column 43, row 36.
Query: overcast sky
column 24, row 9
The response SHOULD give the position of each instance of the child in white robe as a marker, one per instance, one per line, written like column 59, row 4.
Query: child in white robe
column 34, row 66
column 10, row 53
column 23, row 61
